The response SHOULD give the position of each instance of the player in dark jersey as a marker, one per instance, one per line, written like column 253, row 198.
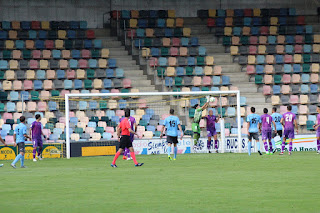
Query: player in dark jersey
column 36, row 135
column 211, row 130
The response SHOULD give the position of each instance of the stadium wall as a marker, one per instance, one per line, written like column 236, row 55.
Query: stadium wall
column 92, row 11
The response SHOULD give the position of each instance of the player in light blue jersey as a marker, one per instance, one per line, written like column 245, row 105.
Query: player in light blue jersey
column 254, row 121
column 20, row 135
column 276, row 117
column 172, row 123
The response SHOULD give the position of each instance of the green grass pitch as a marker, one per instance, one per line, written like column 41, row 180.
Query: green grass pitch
column 193, row 183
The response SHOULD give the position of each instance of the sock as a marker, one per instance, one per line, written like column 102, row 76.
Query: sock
column 175, row 152
column 249, row 148
column 125, row 152
column 16, row 160
column 290, row 146
column 273, row 143
column 34, row 152
column 208, row 144
column 169, row 150
column 258, row 145
column 128, row 154
column 216, row 144
column 283, row 145
column 115, row 158
column 39, row 151
column 265, row 145
column 22, row 160
column 318, row 145
column 195, row 141
column 270, row 147
column 134, row 158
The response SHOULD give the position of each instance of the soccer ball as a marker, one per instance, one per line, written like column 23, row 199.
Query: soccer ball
column 212, row 99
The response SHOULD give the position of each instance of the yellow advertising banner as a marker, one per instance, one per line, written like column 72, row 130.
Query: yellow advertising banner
column 98, row 150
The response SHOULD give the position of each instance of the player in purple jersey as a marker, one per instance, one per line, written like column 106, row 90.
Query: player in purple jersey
column 317, row 128
column 211, row 130
column 266, row 130
column 133, row 124
column 36, row 135
column 288, row 121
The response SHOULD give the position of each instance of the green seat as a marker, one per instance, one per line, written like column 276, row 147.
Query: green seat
column 244, row 40
column 34, row 96
column 157, row 133
column 306, row 58
column 310, row 125
column 63, row 136
column 205, row 89
column 177, row 32
column 189, row 70
column 11, row 132
column 68, row 44
column 87, row 84
column 112, row 123
column 147, row 42
column 308, row 39
column 183, row 127
column 223, row 111
column 124, row 90
column 6, row 54
column 178, row 81
column 26, row 54
column 164, row 51
column 305, row 67
column 188, row 132
column 277, row 79
column 143, row 123
column 104, row 118
column 100, row 130
column 95, row 53
column 191, row 112
column 94, row 119
column 78, row 130
column 227, row 125
column 161, row 71
column 200, row 61
column 226, row 41
column 258, row 79
column 53, row 120
column 176, row 89
column 49, row 126
column 2, row 75
column 55, row 93
column 203, row 101
column 90, row 73
column 1, row 107
column 103, row 104
column 282, row 30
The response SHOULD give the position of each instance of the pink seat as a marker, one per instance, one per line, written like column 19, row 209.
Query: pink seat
column 47, row 85
column 153, row 62
column 45, row 95
column 49, row 44
column 206, row 81
column 270, row 59
column 63, row 64
column 296, row 79
column 6, row 116
column 172, row 61
column 286, row 79
column 251, row 69
column 51, row 74
column 298, row 48
column 176, row 42
column 63, row 92
column 110, row 129
column 252, row 50
column 262, row 40
column 314, row 78
column 66, row 54
column 183, row 51
column 85, row 54
column 46, row 132
column 202, row 123
column 126, row 83
column 283, row 109
column 164, row 116
column 83, row 63
column 62, row 120
column 119, row 113
column 253, row 40
column 34, row 64
column 36, row 54
column 280, row 49
column 27, row 85
column 303, row 109
column 268, row 69
column 174, row 51
column 142, row 103
column 285, row 89
column 299, row 39
column 288, row 59
column 31, row 106
column 17, row 85
column 159, row 127
column 217, row 70
column 266, row 90
column 71, row 74
column 294, row 99
column 9, row 139
column 42, row 106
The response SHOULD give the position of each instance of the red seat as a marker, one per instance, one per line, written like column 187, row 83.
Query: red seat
column 36, row 25
column 71, row 74
column 298, row 48
column 301, row 20
column 264, row 30
column 288, row 59
column 247, row 12
column 85, row 53
column 250, row 70
column 174, row 51
column 299, row 39
column 286, row 79
column 211, row 22
column 176, row 42
column 34, row 64
column 49, row 44
column 27, row 85
column 126, row 83
column 252, row 50
column 131, row 33
column 153, row 61
column 253, row 40
column 83, row 63
column 36, row 54
column 90, row 34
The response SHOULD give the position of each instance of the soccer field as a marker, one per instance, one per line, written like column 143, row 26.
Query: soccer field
column 193, row 183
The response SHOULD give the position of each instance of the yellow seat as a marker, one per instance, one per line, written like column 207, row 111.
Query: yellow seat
column 80, row 74
column 208, row 70
column 21, row 106
column 171, row 13
column 97, row 83
column 274, row 21
column 10, row 75
column 212, row 13
column 262, row 49
column 275, row 100
column 316, row 39
column 62, row 34
column 228, row 31
column 256, row 12
column 102, row 63
column 273, row 30
column 145, row 52
column 15, row 25
column 105, row 53
column 170, row 22
column 315, row 68
column 234, row 50
column 44, row 64
column 171, row 71
column 59, row 44
column 13, row 64
column 7, row 85
column 251, row 59
column 209, row 60
column 112, row 104
column 31, row 75
column 9, row 44
column 133, row 23
column 45, row 25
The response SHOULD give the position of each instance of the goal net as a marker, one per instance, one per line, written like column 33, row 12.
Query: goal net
column 93, row 117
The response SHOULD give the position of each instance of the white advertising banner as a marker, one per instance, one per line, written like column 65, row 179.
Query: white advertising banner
column 159, row 146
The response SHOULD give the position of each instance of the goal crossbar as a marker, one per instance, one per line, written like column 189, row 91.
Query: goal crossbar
column 67, row 96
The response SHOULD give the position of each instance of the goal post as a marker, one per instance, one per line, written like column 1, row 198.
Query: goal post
column 159, row 103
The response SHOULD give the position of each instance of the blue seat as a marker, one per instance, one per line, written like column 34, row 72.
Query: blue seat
column 304, row 88
column 259, row 69
column 256, row 21
column 220, row 22
column 216, row 80
column 296, row 68
column 97, row 43
column 74, row 120
column 110, row 73
column 75, row 54
column 215, row 89
column 112, row 63
column 68, row 84
column 289, row 49
column 40, row 113
column 140, row 33
column 3, row 35
column 255, row 31
column 42, row 34
column 92, row 124
column 283, row 11
column 93, row 63
column 154, row 14
column 115, row 119
column 125, row 14
column 41, row 74
column 168, row 32
column 276, row 89
column 247, row 21
column 107, row 135
column 52, row 105
column 299, row 29
column 73, row 63
column 25, row 25
column 294, row 109
column 261, row 59
column 184, row 41
column 78, row 84
column 312, row 118
column 162, row 62
column 83, row 105
column 107, row 83
column 83, row 25
column 290, row 39
column 71, row 34
column 168, row 81
column 231, row 111
column 225, row 80
column 180, row 71
column 305, row 78
column 282, row 21
column 198, row 71
column 237, row 31
column 307, row 48
column 194, row 41
column 155, row 52
column 146, row 118
column 287, row 68
column 221, row 13
column 191, row 61
column 194, row 102
column 24, row 95
column 87, row 44
column 309, row 29
column 39, row 44
column 238, row 13
column 314, row 88
column 161, row 23
column 142, row 23
column 272, row 39
column 3, row 64
column 104, row 91
column 6, row 25
column 37, row 84
column 243, row 101
column 119, row 73
column 93, row 105
column 74, row 25
column 19, row 44
column 14, row 96
column 110, row 113
column 279, row 59
column 151, row 128
column 56, row 54
column 218, row 127
column 57, row 131
column 138, row 43
column 32, row 34
column 122, row 104
column 61, row 74
column 195, row 89
column 202, row 51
